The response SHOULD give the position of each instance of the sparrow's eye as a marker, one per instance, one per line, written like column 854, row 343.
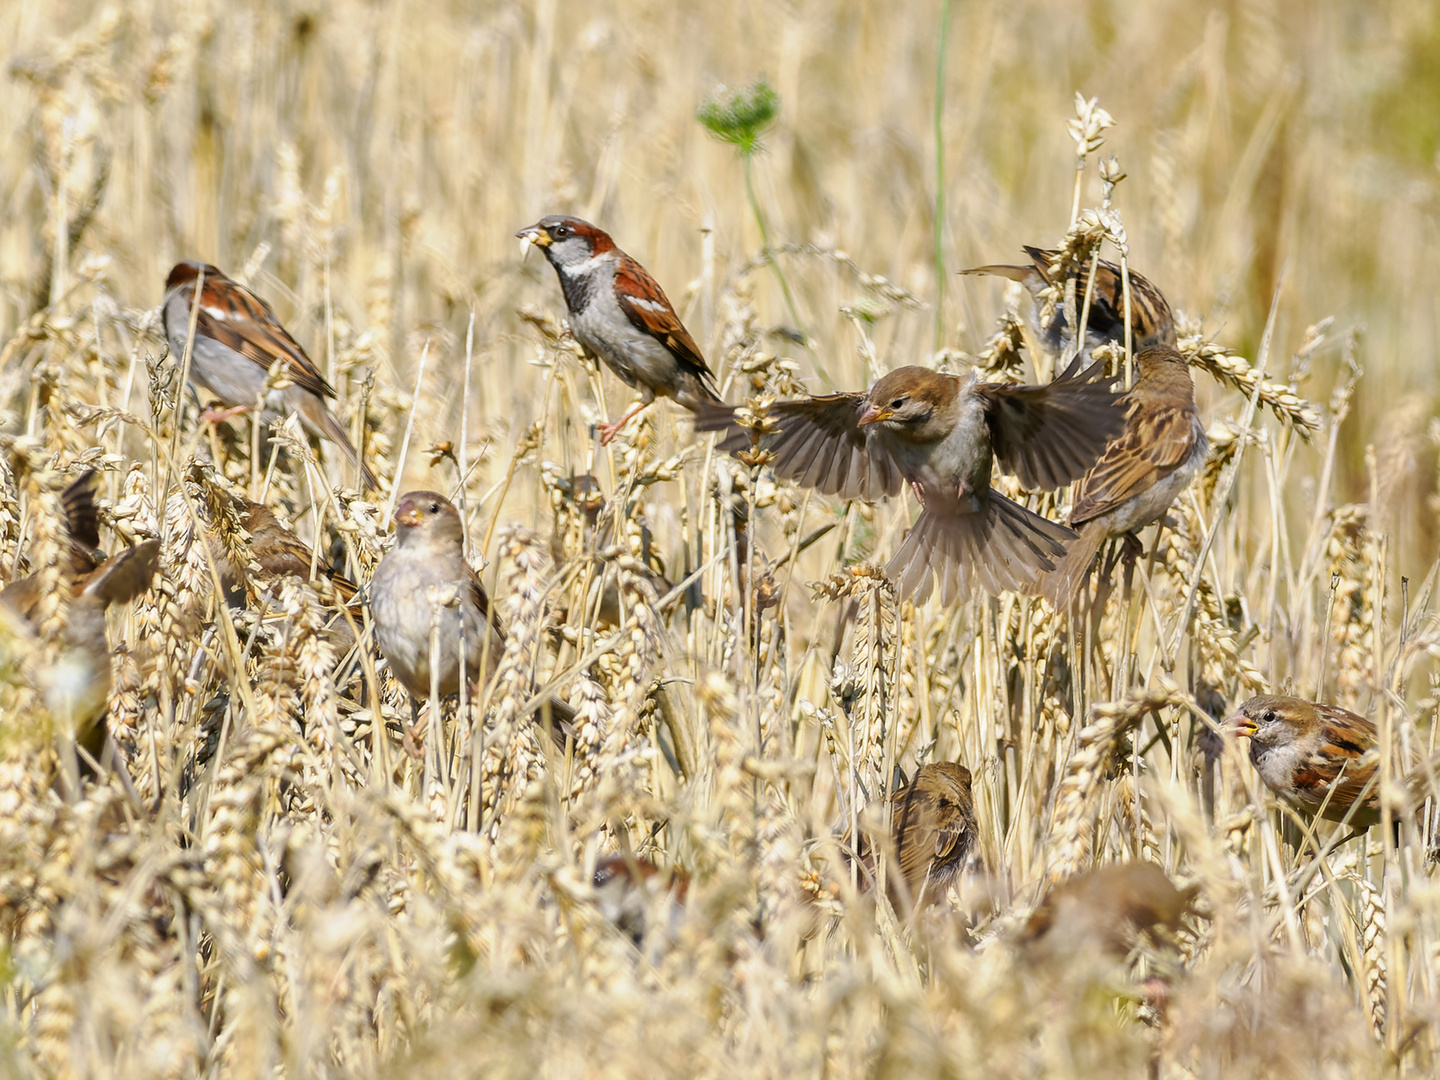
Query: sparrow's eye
column 434, row 508
column 899, row 403
column 1268, row 716
column 560, row 232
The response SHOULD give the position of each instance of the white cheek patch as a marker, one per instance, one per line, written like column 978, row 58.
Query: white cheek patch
column 592, row 263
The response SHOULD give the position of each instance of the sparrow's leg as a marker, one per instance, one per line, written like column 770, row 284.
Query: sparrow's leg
column 609, row 431
column 216, row 415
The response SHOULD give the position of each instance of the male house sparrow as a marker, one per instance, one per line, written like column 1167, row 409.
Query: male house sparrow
column 77, row 689
column 1152, row 324
column 425, row 578
column 934, row 828
column 1141, row 472
column 1306, row 751
column 237, row 339
column 940, row 434
column 619, row 314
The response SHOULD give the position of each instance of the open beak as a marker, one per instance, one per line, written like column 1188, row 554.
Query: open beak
column 533, row 235
column 873, row 414
column 1241, row 725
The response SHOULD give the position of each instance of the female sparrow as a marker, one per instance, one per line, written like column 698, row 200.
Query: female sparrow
column 1307, row 752
column 425, row 583
column 619, row 314
column 1106, row 909
column 237, row 340
column 1141, row 472
column 934, row 828
column 77, row 689
column 940, row 433
column 1152, row 324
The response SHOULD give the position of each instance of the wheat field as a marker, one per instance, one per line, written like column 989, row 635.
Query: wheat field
column 280, row 876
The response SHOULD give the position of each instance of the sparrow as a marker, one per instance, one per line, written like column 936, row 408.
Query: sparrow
column 77, row 688
column 425, row 580
column 627, row 888
column 1152, row 323
column 1141, row 472
column 1305, row 751
column 1107, row 909
column 932, row 821
column 940, row 434
column 237, row 340
column 619, row 314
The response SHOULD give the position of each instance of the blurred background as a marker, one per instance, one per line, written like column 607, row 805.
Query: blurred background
column 365, row 166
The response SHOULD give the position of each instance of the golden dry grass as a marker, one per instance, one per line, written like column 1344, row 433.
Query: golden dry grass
column 279, row 890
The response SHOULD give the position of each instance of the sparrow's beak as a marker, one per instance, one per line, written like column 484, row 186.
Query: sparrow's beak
column 536, row 235
column 1241, row 725
column 406, row 515
column 873, row 414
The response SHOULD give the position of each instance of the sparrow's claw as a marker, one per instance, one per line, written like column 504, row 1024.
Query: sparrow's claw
column 214, row 415
column 610, row 430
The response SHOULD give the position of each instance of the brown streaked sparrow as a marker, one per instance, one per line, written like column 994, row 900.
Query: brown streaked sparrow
column 77, row 688
column 1141, row 472
column 619, row 314
column 934, row 829
column 237, row 340
column 1305, row 751
column 1152, row 325
column 425, row 581
column 1106, row 909
column 940, row 434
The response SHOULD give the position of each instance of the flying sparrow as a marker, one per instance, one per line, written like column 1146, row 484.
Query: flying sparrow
column 1307, row 751
column 934, row 829
column 1152, row 325
column 619, row 314
column 940, row 433
column 77, row 688
column 237, row 340
column 1141, row 472
column 1106, row 909
column 425, row 582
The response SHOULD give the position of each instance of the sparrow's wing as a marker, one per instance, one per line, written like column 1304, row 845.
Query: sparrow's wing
column 646, row 305
column 1347, row 741
column 234, row 316
column 1153, row 322
column 1051, row 435
column 481, row 599
column 82, row 524
column 125, row 575
column 1032, row 278
column 1153, row 445
column 821, row 445
column 928, row 830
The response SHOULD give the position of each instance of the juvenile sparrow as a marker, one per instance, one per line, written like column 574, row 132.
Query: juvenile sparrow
column 425, row 582
column 934, row 828
column 619, row 314
column 940, row 433
column 1106, row 909
column 1141, row 472
column 1305, row 751
column 237, row 340
column 77, row 689
column 1152, row 325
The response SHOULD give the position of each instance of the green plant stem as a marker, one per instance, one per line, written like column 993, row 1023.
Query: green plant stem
column 765, row 245
column 940, row 173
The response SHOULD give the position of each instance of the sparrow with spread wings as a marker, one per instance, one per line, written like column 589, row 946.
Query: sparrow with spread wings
column 940, row 434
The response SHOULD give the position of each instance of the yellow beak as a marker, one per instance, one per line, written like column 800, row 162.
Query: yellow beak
column 873, row 414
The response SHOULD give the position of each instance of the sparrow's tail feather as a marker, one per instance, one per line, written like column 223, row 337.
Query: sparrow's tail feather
column 322, row 421
column 1006, row 548
column 1064, row 584
column 712, row 415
